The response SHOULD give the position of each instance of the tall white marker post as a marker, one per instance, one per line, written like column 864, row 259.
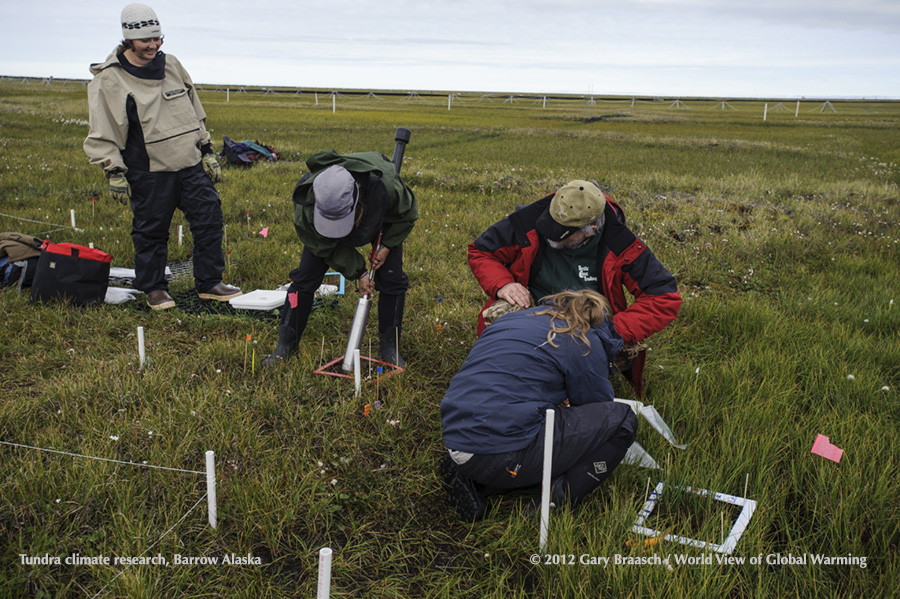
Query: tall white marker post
column 334, row 103
column 142, row 355
column 549, row 422
column 765, row 110
column 324, row 587
column 180, row 234
column 72, row 213
column 796, row 112
column 211, row 487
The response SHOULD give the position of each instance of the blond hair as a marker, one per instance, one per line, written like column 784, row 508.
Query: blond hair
column 578, row 311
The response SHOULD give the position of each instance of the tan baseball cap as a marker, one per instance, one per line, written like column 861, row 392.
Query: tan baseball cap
column 575, row 205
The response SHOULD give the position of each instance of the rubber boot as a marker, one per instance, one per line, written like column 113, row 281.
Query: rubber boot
column 390, row 324
column 293, row 323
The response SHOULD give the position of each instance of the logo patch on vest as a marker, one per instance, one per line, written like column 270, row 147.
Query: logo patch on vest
column 599, row 467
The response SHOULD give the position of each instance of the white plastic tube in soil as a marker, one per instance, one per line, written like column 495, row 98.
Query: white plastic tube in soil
column 323, row 589
column 549, row 422
column 180, row 234
column 72, row 212
column 142, row 354
column 211, row 487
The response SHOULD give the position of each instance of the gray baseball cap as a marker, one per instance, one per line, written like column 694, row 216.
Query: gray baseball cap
column 336, row 195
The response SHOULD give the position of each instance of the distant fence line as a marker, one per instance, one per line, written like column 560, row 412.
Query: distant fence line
column 449, row 98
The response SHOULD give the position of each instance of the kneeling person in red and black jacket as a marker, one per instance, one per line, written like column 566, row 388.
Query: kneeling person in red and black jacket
column 576, row 238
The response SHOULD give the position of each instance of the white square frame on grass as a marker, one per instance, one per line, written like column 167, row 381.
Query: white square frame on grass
column 740, row 524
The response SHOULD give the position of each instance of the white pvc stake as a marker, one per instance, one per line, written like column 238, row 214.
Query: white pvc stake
column 765, row 110
column 141, row 353
column 334, row 103
column 211, row 487
column 545, row 484
column 746, row 484
column 227, row 95
column 72, row 212
column 357, row 375
column 316, row 94
column 324, row 587
column 796, row 112
column 91, row 245
column 180, row 234
column 449, row 96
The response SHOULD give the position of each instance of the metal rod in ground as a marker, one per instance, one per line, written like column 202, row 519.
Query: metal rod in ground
column 324, row 587
column 357, row 374
column 141, row 352
column 211, row 487
column 549, row 422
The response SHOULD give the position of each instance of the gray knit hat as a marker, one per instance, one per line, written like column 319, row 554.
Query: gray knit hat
column 139, row 22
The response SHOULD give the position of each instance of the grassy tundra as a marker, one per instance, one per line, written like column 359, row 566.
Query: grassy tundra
column 783, row 235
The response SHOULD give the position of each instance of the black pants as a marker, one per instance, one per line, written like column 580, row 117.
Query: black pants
column 154, row 198
column 390, row 281
column 589, row 441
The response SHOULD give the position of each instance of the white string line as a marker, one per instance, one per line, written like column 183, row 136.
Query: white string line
column 153, row 545
column 40, row 222
column 77, row 455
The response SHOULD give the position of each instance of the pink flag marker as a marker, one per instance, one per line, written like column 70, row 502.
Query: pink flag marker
column 292, row 299
column 824, row 448
column 265, row 232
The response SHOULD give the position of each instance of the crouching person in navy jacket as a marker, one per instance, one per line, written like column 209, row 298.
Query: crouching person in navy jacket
column 525, row 363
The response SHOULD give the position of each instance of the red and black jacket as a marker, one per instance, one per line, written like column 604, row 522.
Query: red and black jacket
column 511, row 251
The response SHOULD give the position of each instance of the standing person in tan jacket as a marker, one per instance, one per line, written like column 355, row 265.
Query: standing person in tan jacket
column 148, row 134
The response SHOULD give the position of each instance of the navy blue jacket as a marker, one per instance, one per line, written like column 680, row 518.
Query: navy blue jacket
column 496, row 402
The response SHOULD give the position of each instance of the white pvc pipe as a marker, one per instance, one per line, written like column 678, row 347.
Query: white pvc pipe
column 796, row 112
column 448, row 101
column 180, row 234
column 765, row 111
column 211, row 487
column 72, row 212
column 334, row 103
column 357, row 368
column 545, row 484
column 142, row 354
column 324, row 587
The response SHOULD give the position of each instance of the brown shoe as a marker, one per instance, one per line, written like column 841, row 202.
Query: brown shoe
column 221, row 293
column 159, row 299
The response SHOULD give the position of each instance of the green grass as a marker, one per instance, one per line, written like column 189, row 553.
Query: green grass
column 783, row 235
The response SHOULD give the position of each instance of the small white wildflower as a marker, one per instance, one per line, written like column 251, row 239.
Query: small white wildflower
column 885, row 388
column 114, row 437
column 58, row 500
column 333, row 481
column 697, row 371
column 850, row 377
column 218, row 370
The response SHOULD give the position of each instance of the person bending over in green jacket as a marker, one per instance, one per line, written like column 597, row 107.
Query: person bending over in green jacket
column 342, row 204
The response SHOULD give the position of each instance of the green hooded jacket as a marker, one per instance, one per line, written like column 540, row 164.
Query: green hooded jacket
column 390, row 206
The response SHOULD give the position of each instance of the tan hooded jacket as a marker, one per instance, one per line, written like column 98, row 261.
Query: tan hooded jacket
column 172, row 119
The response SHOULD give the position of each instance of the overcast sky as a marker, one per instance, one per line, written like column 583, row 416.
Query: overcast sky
column 666, row 48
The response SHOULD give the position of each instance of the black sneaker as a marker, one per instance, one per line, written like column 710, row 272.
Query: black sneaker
column 470, row 505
